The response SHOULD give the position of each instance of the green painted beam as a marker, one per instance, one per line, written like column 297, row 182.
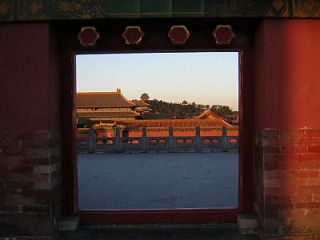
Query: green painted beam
column 38, row 10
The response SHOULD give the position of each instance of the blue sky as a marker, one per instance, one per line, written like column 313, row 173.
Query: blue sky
column 202, row 77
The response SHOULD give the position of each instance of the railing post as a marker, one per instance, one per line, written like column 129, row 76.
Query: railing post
column 172, row 144
column 144, row 140
column 198, row 140
column 91, row 140
column 224, row 139
column 118, row 141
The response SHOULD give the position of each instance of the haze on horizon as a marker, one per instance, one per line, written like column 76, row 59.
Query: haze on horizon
column 208, row 78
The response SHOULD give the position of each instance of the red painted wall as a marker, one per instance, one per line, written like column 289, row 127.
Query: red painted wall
column 54, row 81
column 287, row 73
column 28, row 80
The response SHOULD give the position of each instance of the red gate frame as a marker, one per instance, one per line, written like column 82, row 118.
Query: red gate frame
column 201, row 34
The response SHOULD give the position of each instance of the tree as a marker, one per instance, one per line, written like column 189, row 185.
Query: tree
column 144, row 97
column 222, row 111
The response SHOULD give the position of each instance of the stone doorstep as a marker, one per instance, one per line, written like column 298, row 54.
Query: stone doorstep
column 68, row 224
column 72, row 224
column 27, row 238
column 247, row 223
column 161, row 226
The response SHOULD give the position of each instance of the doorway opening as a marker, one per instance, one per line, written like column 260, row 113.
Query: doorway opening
column 158, row 132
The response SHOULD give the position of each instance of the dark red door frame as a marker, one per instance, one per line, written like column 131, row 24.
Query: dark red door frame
column 112, row 42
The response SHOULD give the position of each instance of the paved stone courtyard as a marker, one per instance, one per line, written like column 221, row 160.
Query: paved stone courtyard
column 158, row 181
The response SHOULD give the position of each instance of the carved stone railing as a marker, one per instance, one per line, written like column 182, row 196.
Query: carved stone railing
column 120, row 144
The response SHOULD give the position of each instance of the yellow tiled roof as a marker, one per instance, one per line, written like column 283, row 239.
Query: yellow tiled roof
column 102, row 99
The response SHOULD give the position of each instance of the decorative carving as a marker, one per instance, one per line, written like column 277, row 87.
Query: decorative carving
column 178, row 34
column 223, row 34
column 311, row 7
column 88, row 36
column 279, row 6
column 5, row 8
column 37, row 10
column 82, row 9
column 133, row 35
column 35, row 7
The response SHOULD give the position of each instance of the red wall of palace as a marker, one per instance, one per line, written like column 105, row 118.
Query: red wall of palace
column 30, row 143
column 287, row 74
column 28, row 97
column 287, row 114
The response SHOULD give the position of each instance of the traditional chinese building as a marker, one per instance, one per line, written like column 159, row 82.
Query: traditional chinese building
column 141, row 106
column 209, row 123
column 104, row 107
column 205, row 119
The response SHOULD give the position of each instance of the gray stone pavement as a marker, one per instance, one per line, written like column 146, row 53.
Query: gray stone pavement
column 174, row 232
column 158, row 181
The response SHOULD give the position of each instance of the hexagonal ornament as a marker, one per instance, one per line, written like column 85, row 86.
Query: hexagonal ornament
column 223, row 34
column 133, row 35
column 178, row 34
column 88, row 36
